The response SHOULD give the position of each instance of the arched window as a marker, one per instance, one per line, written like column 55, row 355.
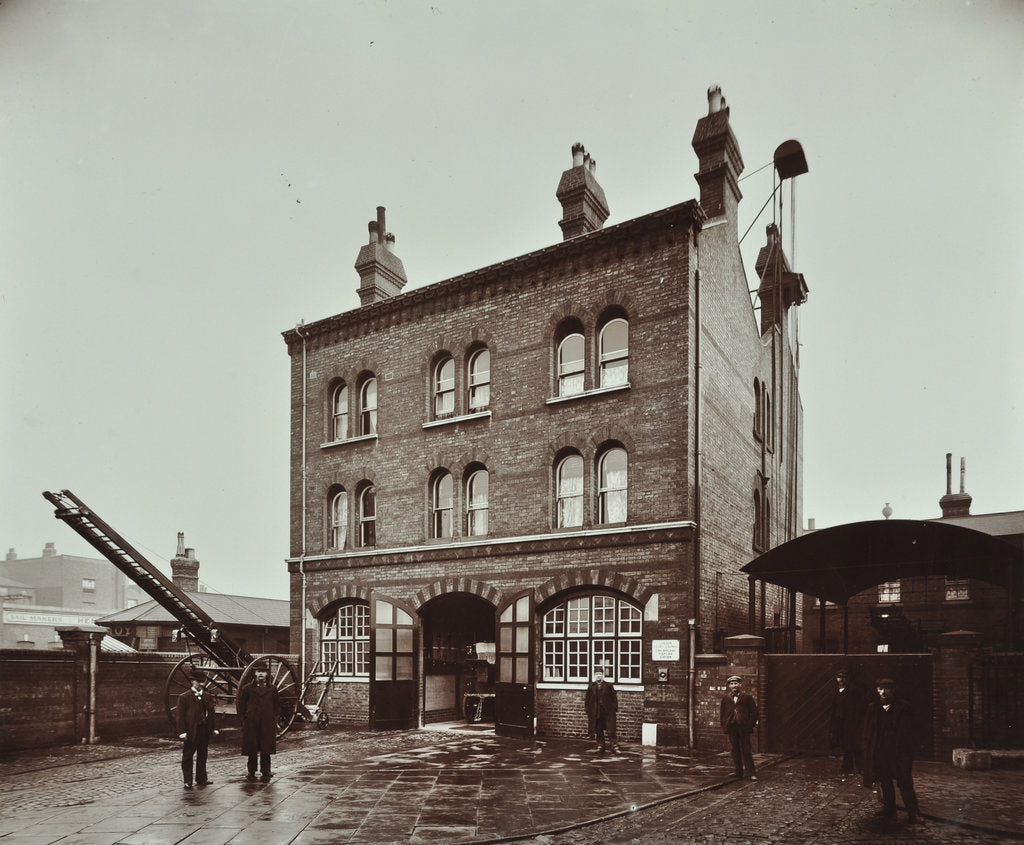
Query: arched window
column 368, row 407
column 758, row 410
column 615, row 353
column 339, row 413
column 479, row 380
column 758, row 522
column 570, row 492
column 589, row 631
column 441, row 503
column 476, row 503
column 368, row 516
column 345, row 641
column 339, row 520
column 571, row 353
column 444, row 387
column 612, row 486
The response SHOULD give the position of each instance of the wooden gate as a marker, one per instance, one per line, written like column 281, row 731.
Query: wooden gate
column 997, row 701
column 798, row 689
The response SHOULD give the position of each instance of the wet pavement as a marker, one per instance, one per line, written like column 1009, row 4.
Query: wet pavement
column 445, row 786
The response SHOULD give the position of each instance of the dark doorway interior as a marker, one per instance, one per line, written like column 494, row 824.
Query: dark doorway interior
column 458, row 659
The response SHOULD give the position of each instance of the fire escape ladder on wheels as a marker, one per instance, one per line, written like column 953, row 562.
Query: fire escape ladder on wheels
column 196, row 622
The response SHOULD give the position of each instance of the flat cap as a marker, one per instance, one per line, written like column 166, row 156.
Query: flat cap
column 885, row 682
column 732, row 678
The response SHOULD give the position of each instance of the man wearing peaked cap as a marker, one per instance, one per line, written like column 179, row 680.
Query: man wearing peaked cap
column 889, row 750
column 739, row 718
column 197, row 722
column 846, row 721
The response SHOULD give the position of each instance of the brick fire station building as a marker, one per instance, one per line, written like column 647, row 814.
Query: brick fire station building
column 502, row 480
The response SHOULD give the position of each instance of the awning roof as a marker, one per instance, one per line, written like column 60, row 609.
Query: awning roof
column 839, row 562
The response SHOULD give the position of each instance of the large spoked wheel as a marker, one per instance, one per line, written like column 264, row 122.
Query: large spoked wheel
column 283, row 676
column 221, row 684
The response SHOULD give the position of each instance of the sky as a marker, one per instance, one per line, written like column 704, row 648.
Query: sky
column 182, row 182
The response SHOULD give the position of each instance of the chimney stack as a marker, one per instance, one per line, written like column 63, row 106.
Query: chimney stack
column 49, row 550
column 720, row 163
column 381, row 272
column 584, row 207
column 11, row 554
column 955, row 504
column 185, row 567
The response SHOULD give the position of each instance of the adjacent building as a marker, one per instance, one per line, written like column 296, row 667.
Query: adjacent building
column 256, row 625
column 505, row 479
column 40, row 594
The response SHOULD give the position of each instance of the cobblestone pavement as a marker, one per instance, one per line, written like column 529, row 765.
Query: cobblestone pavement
column 435, row 786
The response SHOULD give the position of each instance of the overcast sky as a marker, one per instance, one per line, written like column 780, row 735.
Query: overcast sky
column 181, row 182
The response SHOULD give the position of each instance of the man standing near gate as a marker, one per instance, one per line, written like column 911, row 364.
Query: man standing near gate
column 739, row 718
column 889, row 750
column 258, row 703
column 846, row 720
column 197, row 722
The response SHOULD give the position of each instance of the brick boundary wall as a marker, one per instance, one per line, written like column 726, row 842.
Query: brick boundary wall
column 45, row 697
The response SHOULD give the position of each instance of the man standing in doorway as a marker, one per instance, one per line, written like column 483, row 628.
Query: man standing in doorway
column 257, row 704
column 889, row 750
column 602, row 705
column 197, row 722
column 739, row 718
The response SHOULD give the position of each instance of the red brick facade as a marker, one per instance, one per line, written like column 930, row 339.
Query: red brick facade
column 688, row 433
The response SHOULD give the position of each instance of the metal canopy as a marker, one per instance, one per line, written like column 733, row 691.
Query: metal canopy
column 836, row 563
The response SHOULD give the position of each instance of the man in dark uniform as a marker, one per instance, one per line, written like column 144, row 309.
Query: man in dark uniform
column 602, row 705
column 739, row 718
column 846, row 721
column 257, row 703
column 197, row 722
column 889, row 750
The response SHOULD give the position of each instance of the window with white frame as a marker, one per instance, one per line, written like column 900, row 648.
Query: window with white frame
column 476, row 503
column 339, row 413
column 345, row 641
column 368, row 407
column 479, row 381
column 570, row 491
column 587, row 632
column 444, row 387
column 368, row 516
column 612, row 476
column 339, row 520
column 571, row 353
column 958, row 589
column 889, row 591
column 441, row 496
column 615, row 353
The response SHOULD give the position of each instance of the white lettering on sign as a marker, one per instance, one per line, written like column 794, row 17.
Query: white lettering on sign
column 19, row 617
column 664, row 649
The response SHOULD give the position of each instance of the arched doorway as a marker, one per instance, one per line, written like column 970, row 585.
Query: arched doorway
column 458, row 659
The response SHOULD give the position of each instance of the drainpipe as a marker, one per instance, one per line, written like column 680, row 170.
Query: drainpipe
column 302, row 554
column 94, row 667
column 691, row 684
column 698, row 476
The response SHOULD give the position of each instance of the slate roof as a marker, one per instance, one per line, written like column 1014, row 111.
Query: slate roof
column 222, row 608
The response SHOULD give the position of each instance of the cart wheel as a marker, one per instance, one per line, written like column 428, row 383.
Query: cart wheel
column 322, row 719
column 221, row 685
column 282, row 675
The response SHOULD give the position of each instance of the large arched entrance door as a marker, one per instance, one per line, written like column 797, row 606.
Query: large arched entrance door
column 458, row 659
column 514, row 708
column 393, row 679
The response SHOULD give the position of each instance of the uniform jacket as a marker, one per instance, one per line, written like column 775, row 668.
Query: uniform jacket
column 741, row 715
column 258, row 708
column 845, row 724
column 191, row 711
column 888, row 740
column 601, row 700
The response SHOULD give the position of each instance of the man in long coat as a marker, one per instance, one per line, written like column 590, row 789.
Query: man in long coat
column 889, row 750
column 257, row 703
column 846, row 721
column 197, row 722
column 739, row 718
column 602, row 705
